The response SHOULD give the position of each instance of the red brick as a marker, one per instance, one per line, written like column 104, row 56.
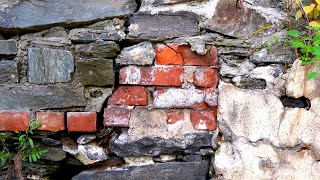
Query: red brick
column 14, row 120
column 206, row 77
column 116, row 117
column 51, row 121
column 81, row 121
column 173, row 117
column 156, row 76
column 129, row 95
column 174, row 54
column 204, row 120
column 179, row 98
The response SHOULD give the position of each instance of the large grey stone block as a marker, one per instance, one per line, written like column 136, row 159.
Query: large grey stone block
column 36, row 97
column 38, row 14
column 9, row 72
column 163, row 25
column 49, row 65
column 168, row 171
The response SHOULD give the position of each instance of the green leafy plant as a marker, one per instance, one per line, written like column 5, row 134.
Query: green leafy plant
column 308, row 44
column 23, row 146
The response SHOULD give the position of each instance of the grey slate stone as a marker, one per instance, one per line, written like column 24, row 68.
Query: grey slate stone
column 154, row 146
column 163, row 26
column 100, row 49
column 8, row 47
column 36, row 97
column 54, row 154
column 167, row 171
column 38, row 14
column 49, row 65
column 139, row 54
column 96, row 72
column 9, row 72
column 166, row 2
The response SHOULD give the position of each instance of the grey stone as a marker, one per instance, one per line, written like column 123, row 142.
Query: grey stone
column 56, row 32
column 90, row 153
column 163, row 26
column 49, row 65
column 42, row 14
column 84, row 139
column 54, row 154
column 249, row 83
column 166, row 2
column 97, row 72
column 51, row 41
column 139, row 54
column 154, row 146
column 192, row 158
column 108, row 30
column 171, row 170
column 9, row 72
column 50, row 141
column 8, row 47
column 100, row 49
column 244, row 21
column 96, row 96
column 35, row 97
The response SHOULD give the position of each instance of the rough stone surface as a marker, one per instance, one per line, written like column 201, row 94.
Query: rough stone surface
column 96, row 96
column 164, row 25
column 54, row 154
column 84, row 139
column 8, row 47
column 99, row 49
column 244, row 21
column 51, row 41
column 49, row 65
column 9, row 72
column 108, row 30
column 148, row 135
column 35, row 97
column 139, row 54
column 96, row 72
column 166, row 2
column 30, row 15
column 91, row 153
column 171, row 170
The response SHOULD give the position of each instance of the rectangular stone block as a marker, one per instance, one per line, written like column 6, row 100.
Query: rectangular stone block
column 96, row 72
column 36, row 97
column 8, row 47
column 9, row 72
column 163, row 26
column 49, row 65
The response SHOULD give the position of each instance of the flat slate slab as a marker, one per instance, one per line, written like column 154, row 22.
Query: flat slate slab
column 172, row 170
column 9, row 72
column 36, row 13
column 163, row 25
column 8, row 47
column 36, row 97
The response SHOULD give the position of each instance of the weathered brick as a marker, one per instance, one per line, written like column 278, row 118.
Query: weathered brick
column 211, row 97
column 116, row 117
column 81, row 121
column 204, row 120
column 173, row 117
column 157, row 76
column 179, row 98
column 206, row 77
column 51, row 121
column 129, row 95
column 174, row 54
column 14, row 120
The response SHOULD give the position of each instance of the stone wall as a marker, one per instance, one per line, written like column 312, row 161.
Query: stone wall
column 157, row 89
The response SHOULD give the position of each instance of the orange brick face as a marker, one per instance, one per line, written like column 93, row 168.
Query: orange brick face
column 204, row 120
column 81, row 121
column 14, row 120
column 206, row 77
column 129, row 95
column 51, row 121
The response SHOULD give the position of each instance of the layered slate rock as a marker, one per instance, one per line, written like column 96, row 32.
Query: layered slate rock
column 100, row 49
column 96, row 71
column 33, row 14
column 171, row 170
column 168, row 2
column 242, row 21
column 49, row 65
column 8, row 47
column 163, row 25
column 9, row 72
column 148, row 135
column 35, row 97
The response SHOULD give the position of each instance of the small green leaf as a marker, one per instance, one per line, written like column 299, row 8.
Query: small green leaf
column 316, row 39
column 31, row 142
column 294, row 33
column 21, row 137
column 312, row 75
column 297, row 44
